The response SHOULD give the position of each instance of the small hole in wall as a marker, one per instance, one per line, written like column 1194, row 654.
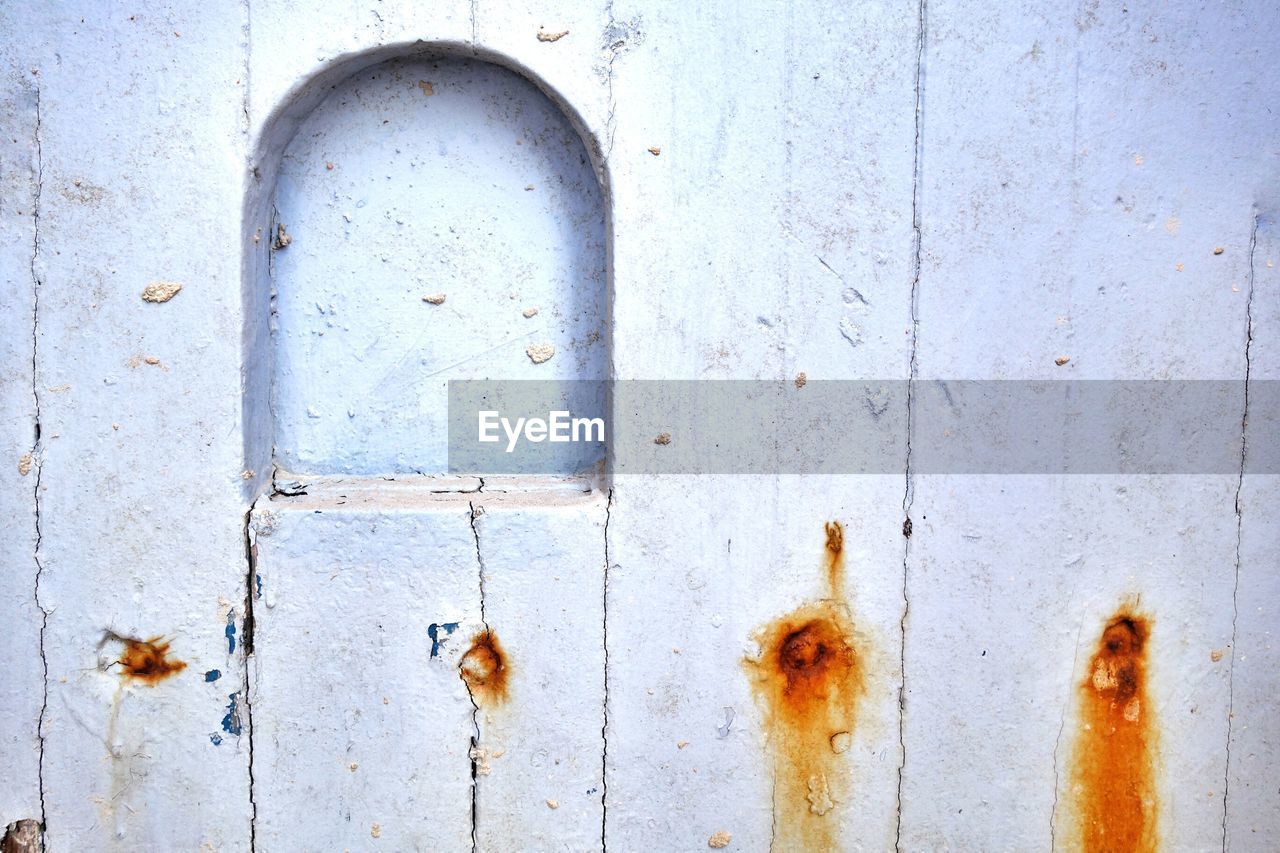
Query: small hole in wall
column 444, row 221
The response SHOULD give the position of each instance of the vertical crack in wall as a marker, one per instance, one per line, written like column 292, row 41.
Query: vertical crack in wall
column 773, row 807
column 475, row 706
column 37, row 459
column 1239, row 510
column 609, row 124
column 250, row 549
column 908, row 492
column 246, row 646
column 604, row 726
column 475, row 29
column 247, row 30
column 477, row 511
column 1057, row 744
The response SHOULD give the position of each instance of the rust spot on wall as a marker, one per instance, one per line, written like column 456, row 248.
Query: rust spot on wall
column 835, row 559
column 486, row 669
column 148, row 661
column 809, row 679
column 1113, row 773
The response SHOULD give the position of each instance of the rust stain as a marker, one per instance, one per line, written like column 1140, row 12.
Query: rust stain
column 486, row 669
column 809, row 680
column 835, row 558
column 1113, row 772
column 148, row 661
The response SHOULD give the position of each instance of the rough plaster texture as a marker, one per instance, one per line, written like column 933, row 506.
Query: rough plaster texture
column 20, row 698
column 892, row 190
column 344, row 608
column 1253, row 807
column 138, row 156
column 370, row 189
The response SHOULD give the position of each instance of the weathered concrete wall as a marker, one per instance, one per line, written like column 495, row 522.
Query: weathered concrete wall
column 138, row 152
column 1081, row 167
column 897, row 190
column 22, row 695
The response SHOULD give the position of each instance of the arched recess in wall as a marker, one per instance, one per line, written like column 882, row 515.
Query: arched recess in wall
column 391, row 179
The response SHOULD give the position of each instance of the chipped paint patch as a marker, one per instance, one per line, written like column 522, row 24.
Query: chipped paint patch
column 21, row 836
column 283, row 239
column 231, row 722
column 231, row 633
column 539, row 353
column 160, row 291
column 433, row 631
column 212, row 675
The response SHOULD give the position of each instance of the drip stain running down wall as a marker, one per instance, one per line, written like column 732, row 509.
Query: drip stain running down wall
column 809, row 679
column 1113, row 786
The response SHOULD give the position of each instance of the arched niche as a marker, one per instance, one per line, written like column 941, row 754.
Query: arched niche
column 398, row 177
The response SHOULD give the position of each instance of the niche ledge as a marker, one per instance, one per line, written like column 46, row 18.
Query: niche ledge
column 413, row 491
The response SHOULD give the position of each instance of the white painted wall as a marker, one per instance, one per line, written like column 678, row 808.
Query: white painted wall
column 885, row 191
column 479, row 192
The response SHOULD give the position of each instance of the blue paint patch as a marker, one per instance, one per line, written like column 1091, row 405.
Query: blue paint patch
column 433, row 631
column 231, row 633
column 231, row 722
column 215, row 739
column 257, row 580
column 212, row 675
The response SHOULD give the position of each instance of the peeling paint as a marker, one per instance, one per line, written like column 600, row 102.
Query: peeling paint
column 21, row 836
column 433, row 631
column 231, row 722
column 160, row 291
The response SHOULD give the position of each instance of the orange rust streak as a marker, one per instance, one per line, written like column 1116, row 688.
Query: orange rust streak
column 835, row 559
column 808, row 681
column 486, row 669
column 1113, row 772
column 148, row 661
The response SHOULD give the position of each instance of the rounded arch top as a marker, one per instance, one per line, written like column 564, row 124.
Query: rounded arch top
column 277, row 129
column 418, row 214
